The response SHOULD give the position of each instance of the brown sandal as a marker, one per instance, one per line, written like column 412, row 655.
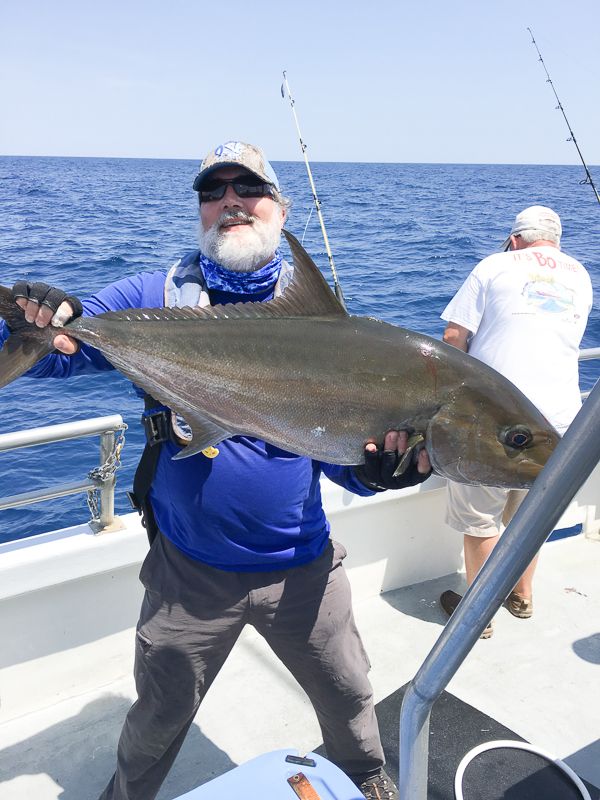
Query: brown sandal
column 519, row 606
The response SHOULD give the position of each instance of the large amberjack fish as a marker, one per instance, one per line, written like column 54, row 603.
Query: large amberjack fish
column 301, row 373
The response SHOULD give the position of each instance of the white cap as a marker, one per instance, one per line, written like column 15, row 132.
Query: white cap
column 535, row 218
column 241, row 154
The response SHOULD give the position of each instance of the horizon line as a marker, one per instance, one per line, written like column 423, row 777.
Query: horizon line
column 298, row 161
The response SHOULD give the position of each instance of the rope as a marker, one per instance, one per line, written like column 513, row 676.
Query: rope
column 517, row 746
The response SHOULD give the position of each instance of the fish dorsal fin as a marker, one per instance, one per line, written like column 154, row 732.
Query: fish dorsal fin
column 308, row 295
column 309, row 288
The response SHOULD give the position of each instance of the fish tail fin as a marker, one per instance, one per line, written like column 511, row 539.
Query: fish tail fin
column 25, row 346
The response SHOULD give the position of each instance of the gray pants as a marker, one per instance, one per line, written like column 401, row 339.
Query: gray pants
column 191, row 617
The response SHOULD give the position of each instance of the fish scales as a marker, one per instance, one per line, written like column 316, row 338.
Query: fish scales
column 275, row 386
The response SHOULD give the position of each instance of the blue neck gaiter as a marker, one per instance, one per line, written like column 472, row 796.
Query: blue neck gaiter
column 217, row 277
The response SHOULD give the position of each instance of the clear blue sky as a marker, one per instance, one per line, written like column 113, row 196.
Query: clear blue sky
column 397, row 80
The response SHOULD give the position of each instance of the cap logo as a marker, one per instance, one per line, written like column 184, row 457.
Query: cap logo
column 229, row 151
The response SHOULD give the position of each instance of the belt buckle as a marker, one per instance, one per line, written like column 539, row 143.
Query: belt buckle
column 158, row 427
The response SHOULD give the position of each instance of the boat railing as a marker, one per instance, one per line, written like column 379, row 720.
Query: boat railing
column 587, row 355
column 100, row 482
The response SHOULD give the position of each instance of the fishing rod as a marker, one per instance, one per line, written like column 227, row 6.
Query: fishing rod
column 559, row 107
column 338, row 288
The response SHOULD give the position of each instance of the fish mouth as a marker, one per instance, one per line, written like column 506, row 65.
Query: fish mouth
column 474, row 473
column 527, row 472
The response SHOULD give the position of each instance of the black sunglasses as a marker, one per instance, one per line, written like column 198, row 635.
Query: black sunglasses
column 243, row 186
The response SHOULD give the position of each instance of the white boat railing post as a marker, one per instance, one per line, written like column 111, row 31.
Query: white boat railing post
column 567, row 469
column 107, row 490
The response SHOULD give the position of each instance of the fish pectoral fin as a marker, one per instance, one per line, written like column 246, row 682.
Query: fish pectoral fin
column 412, row 442
column 205, row 434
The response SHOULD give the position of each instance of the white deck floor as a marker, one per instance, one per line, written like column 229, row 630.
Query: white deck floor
column 539, row 677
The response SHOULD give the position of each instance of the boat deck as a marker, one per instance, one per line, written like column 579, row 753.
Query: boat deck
column 538, row 677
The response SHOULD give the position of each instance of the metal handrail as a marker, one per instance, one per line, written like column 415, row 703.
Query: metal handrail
column 586, row 355
column 567, row 469
column 592, row 352
column 106, row 428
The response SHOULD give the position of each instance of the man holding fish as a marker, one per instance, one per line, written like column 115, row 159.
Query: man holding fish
column 238, row 533
column 235, row 349
column 523, row 312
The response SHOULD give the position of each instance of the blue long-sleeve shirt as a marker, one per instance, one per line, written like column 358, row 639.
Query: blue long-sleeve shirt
column 254, row 507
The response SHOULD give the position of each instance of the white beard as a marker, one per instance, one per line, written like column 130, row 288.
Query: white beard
column 241, row 253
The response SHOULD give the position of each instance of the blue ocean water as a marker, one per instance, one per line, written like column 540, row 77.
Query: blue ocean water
column 403, row 237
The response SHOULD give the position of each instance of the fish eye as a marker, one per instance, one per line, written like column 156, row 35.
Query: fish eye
column 518, row 437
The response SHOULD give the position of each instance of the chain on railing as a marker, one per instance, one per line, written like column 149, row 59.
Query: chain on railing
column 104, row 473
column 100, row 482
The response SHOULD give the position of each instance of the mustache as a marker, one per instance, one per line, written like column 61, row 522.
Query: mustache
column 227, row 216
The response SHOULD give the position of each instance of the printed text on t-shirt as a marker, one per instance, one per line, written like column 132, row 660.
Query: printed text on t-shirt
column 545, row 261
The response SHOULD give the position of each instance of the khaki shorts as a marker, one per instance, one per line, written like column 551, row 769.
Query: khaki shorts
column 482, row 511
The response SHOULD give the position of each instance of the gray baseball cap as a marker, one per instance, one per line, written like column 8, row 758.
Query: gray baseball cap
column 535, row 218
column 239, row 154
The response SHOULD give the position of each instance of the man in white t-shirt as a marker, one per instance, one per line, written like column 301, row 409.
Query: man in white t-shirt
column 523, row 312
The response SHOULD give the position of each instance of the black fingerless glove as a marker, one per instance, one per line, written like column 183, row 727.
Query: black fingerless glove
column 377, row 473
column 42, row 294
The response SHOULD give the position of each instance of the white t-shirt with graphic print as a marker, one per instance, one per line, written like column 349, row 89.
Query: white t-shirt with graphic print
column 527, row 310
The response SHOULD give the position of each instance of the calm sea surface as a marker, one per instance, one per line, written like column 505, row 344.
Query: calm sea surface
column 403, row 236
